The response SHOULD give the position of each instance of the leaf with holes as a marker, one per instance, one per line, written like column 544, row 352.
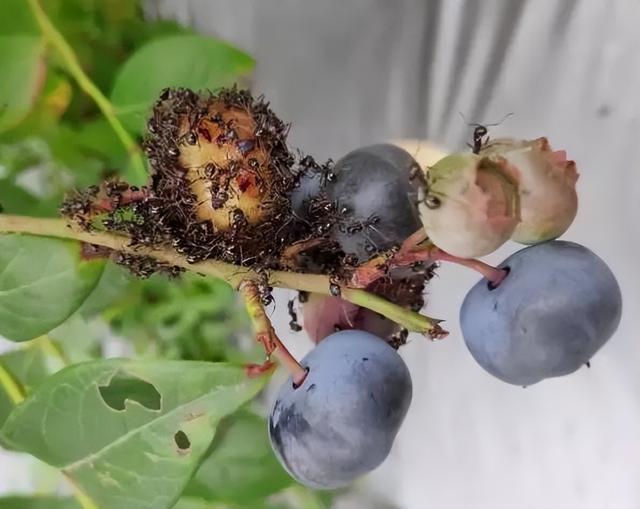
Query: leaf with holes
column 23, row 70
column 43, row 281
column 38, row 502
column 129, row 434
column 192, row 61
column 241, row 466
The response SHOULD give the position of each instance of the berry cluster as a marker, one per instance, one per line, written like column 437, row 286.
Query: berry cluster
column 225, row 186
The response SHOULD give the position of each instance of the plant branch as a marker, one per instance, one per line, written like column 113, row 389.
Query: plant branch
column 232, row 274
column 70, row 59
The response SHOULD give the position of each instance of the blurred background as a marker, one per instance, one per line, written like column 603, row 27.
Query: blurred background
column 346, row 74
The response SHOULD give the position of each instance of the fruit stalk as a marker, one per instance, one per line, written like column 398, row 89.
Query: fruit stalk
column 266, row 334
column 493, row 274
column 232, row 274
column 412, row 321
column 417, row 249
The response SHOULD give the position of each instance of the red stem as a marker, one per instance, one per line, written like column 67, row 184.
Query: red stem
column 493, row 274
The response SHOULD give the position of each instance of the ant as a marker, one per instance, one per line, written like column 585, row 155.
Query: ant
column 334, row 286
column 264, row 289
column 481, row 133
column 293, row 323
column 399, row 338
column 479, row 140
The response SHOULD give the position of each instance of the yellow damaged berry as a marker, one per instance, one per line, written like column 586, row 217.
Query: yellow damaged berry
column 226, row 167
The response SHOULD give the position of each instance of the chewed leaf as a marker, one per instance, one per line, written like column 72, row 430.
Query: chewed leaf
column 129, row 434
column 42, row 282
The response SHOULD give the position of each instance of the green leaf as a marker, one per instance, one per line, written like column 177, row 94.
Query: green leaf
column 113, row 284
column 44, row 117
column 241, row 467
column 23, row 72
column 129, row 434
column 28, row 365
column 10, row 395
column 38, row 502
column 191, row 61
column 15, row 200
column 43, row 281
column 97, row 138
column 21, row 371
column 192, row 318
column 76, row 340
column 16, row 18
column 198, row 503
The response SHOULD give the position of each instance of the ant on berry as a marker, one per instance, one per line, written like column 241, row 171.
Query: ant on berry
column 479, row 141
column 481, row 133
column 293, row 323
column 399, row 338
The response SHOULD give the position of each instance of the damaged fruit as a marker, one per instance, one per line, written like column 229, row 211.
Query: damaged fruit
column 472, row 205
column 546, row 185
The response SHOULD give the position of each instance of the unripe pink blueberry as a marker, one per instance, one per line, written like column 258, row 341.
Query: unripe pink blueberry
column 472, row 204
column 546, row 183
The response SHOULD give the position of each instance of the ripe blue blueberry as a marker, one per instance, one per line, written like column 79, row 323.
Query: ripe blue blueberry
column 375, row 198
column 558, row 305
column 341, row 421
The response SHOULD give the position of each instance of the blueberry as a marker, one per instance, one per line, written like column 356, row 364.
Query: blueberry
column 402, row 161
column 341, row 421
column 557, row 306
column 376, row 200
column 310, row 184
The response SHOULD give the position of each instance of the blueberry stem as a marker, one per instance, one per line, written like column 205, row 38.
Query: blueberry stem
column 494, row 275
column 417, row 248
column 266, row 334
column 414, row 322
column 232, row 274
